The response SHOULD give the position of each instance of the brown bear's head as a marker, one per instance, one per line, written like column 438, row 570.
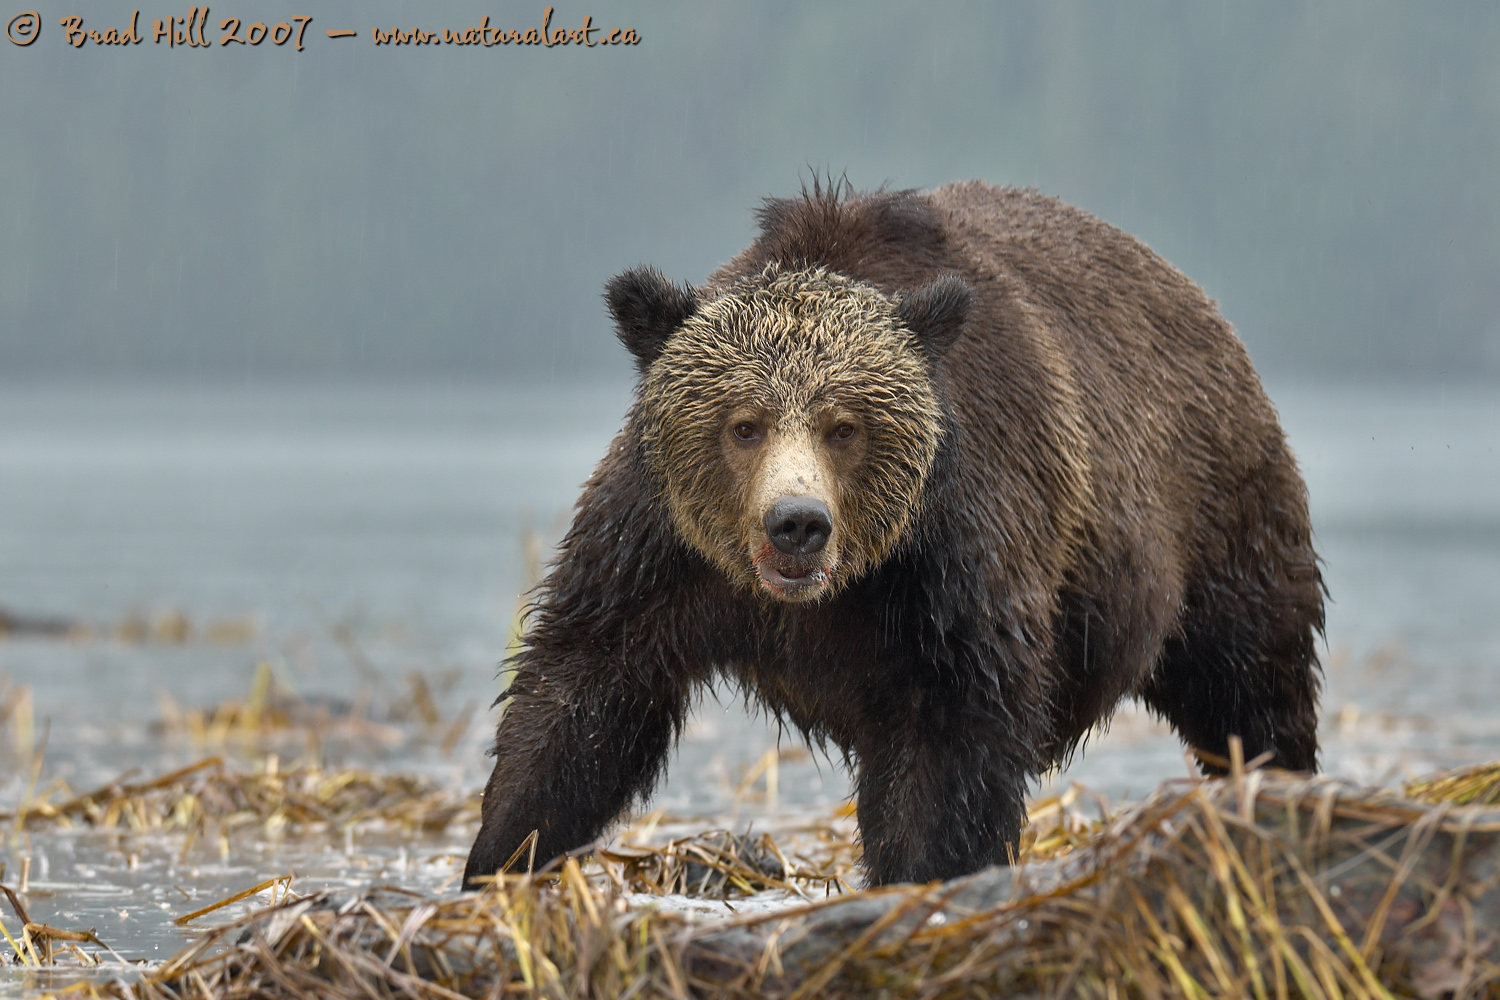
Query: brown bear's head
column 792, row 419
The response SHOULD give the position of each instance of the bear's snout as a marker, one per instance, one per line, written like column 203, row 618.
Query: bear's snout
column 799, row 526
column 798, row 555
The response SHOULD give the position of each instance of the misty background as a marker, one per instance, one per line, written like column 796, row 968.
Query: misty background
column 1327, row 171
column 303, row 357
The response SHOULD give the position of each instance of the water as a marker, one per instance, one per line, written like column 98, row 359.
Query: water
column 350, row 536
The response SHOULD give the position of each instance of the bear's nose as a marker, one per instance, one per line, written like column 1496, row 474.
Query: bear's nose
column 799, row 526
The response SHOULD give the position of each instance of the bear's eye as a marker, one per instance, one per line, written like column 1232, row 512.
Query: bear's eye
column 843, row 432
column 746, row 431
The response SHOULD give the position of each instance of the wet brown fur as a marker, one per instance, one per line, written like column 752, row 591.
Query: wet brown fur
column 799, row 351
column 1108, row 509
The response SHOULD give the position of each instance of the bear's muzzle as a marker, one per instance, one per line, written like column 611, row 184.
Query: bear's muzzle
column 792, row 565
column 799, row 526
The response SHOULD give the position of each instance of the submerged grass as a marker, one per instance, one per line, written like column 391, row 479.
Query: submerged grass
column 1262, row 885
column 212, row 796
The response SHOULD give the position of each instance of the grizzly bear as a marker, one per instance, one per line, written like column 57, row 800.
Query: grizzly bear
column 936, row 478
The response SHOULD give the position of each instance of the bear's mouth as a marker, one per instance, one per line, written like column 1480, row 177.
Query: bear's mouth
column 790, row 578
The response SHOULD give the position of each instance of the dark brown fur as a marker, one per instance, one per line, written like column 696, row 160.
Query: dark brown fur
column 1111, row 511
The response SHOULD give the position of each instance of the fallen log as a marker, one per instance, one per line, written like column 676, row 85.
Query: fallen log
column 1260, row 885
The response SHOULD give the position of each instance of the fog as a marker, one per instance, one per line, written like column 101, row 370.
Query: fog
column 1326, row 170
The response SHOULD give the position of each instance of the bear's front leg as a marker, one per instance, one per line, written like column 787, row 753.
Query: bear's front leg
column 941, row 790
column 584, row 735
column 619, row 635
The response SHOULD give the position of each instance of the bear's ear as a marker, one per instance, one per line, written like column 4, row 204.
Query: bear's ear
column 647, row 308
column 936, row 313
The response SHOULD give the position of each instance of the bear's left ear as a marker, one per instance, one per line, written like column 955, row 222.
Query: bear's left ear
column 647, row 308
column 936, row 313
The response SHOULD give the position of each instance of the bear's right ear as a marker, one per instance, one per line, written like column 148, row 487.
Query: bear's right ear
column 647, row 308
column 936, row 313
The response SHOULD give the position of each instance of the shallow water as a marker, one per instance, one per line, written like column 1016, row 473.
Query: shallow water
column 349, row 537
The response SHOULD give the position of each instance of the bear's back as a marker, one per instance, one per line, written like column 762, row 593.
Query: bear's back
column 1171, row 407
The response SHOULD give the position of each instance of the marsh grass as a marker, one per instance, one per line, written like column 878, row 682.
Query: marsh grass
column 17, row 719
column 1261, row 885
column 171, row 627
column 1478, row 785
column 213, row 797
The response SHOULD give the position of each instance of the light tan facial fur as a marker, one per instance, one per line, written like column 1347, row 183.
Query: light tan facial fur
column 793, row 383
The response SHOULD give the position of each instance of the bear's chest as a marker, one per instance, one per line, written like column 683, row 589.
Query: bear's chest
column 822, row 668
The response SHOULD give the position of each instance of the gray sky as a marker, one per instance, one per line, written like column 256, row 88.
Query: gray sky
column 1326, row 170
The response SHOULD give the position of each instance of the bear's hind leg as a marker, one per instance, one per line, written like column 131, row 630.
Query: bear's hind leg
column 1245, row 664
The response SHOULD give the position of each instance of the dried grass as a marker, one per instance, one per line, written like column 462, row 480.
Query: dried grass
column 171, row 627
column 271, row 717
column 1260, row 885
column 212, row 796
column 1478, row 785
column 18, row 716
